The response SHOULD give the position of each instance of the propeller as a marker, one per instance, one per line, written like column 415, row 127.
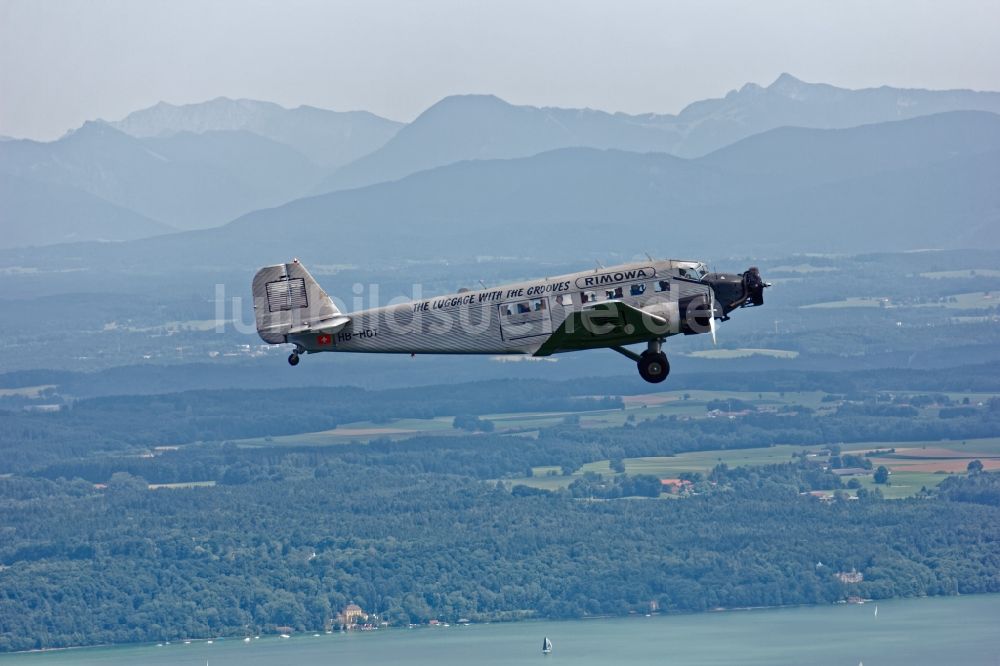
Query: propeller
column 711, row 319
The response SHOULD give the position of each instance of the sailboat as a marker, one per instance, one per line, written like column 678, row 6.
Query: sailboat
column 876, row 610
column 546, row 645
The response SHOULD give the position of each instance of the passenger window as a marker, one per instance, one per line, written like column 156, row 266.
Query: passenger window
column 663, row 285
column 637, row 289
column 564, row 299
column 522, row 308
column 508, row 310
column 614, row 293
column 588, row 297
column 539, row 304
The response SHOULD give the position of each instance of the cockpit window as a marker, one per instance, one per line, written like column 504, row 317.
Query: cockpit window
column 693, row 272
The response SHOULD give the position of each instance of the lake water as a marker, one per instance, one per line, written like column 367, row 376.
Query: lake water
column 933, row 631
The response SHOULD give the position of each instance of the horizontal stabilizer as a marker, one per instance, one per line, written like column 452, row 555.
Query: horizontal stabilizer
column 329, row 326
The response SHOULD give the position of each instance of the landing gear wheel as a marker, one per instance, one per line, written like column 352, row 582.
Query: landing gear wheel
column 653, row 367
column 293, row 359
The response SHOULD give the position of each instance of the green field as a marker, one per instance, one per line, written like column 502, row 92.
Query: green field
column 637, row 407
column 910, row 472
column 968, row 301
column 974, row 398
column 175, row 486
column 26, row 391
column 743, row 353
column 801, row 268
column 174, row 326
column 361, row 431
column 974, row 447
column 670, row 466
column 966, row 273
column 641, row 407
column 904, row 483
column 852, row 302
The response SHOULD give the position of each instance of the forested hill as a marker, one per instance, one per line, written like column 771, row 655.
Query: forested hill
column 216, row 512
column 295, row 547
column 197, row 514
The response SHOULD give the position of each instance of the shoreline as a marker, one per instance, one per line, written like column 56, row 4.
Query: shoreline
column 309, row 633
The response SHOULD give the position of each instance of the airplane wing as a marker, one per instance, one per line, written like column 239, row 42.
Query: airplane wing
column 611, row 323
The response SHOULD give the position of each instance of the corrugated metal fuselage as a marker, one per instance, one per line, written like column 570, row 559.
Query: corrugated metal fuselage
column 510, row 319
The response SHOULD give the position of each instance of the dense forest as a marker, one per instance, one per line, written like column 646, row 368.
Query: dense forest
column 438, row 526
column 128, row 564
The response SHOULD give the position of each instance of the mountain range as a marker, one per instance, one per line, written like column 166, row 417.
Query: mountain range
column 912, row 184
column 175, row 167
column 327, row 138
column 485, row 127
column 201, row 165
column 33, row 205
column 183, row 181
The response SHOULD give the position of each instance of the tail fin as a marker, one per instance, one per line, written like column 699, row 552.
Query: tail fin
column 288, row 300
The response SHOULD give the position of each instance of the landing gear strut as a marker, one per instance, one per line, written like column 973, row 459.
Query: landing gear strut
column 293, row 358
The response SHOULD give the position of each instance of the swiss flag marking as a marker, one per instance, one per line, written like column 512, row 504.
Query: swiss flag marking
column 324, row 339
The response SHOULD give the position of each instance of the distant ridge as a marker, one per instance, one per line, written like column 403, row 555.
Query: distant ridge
column 470, row 127
column 465, row 127
column 201, row 165
column 184, row 180
column 573, row 203
column 798, row 155
column 328, row 138
column 38, row 213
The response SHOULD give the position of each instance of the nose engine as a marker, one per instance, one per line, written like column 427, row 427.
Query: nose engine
column 737, row 290
column 755, row 286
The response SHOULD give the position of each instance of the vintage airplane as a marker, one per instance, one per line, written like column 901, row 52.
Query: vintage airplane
column 636, row 303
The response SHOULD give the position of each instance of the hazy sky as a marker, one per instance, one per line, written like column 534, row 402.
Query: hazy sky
column 66, row 61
